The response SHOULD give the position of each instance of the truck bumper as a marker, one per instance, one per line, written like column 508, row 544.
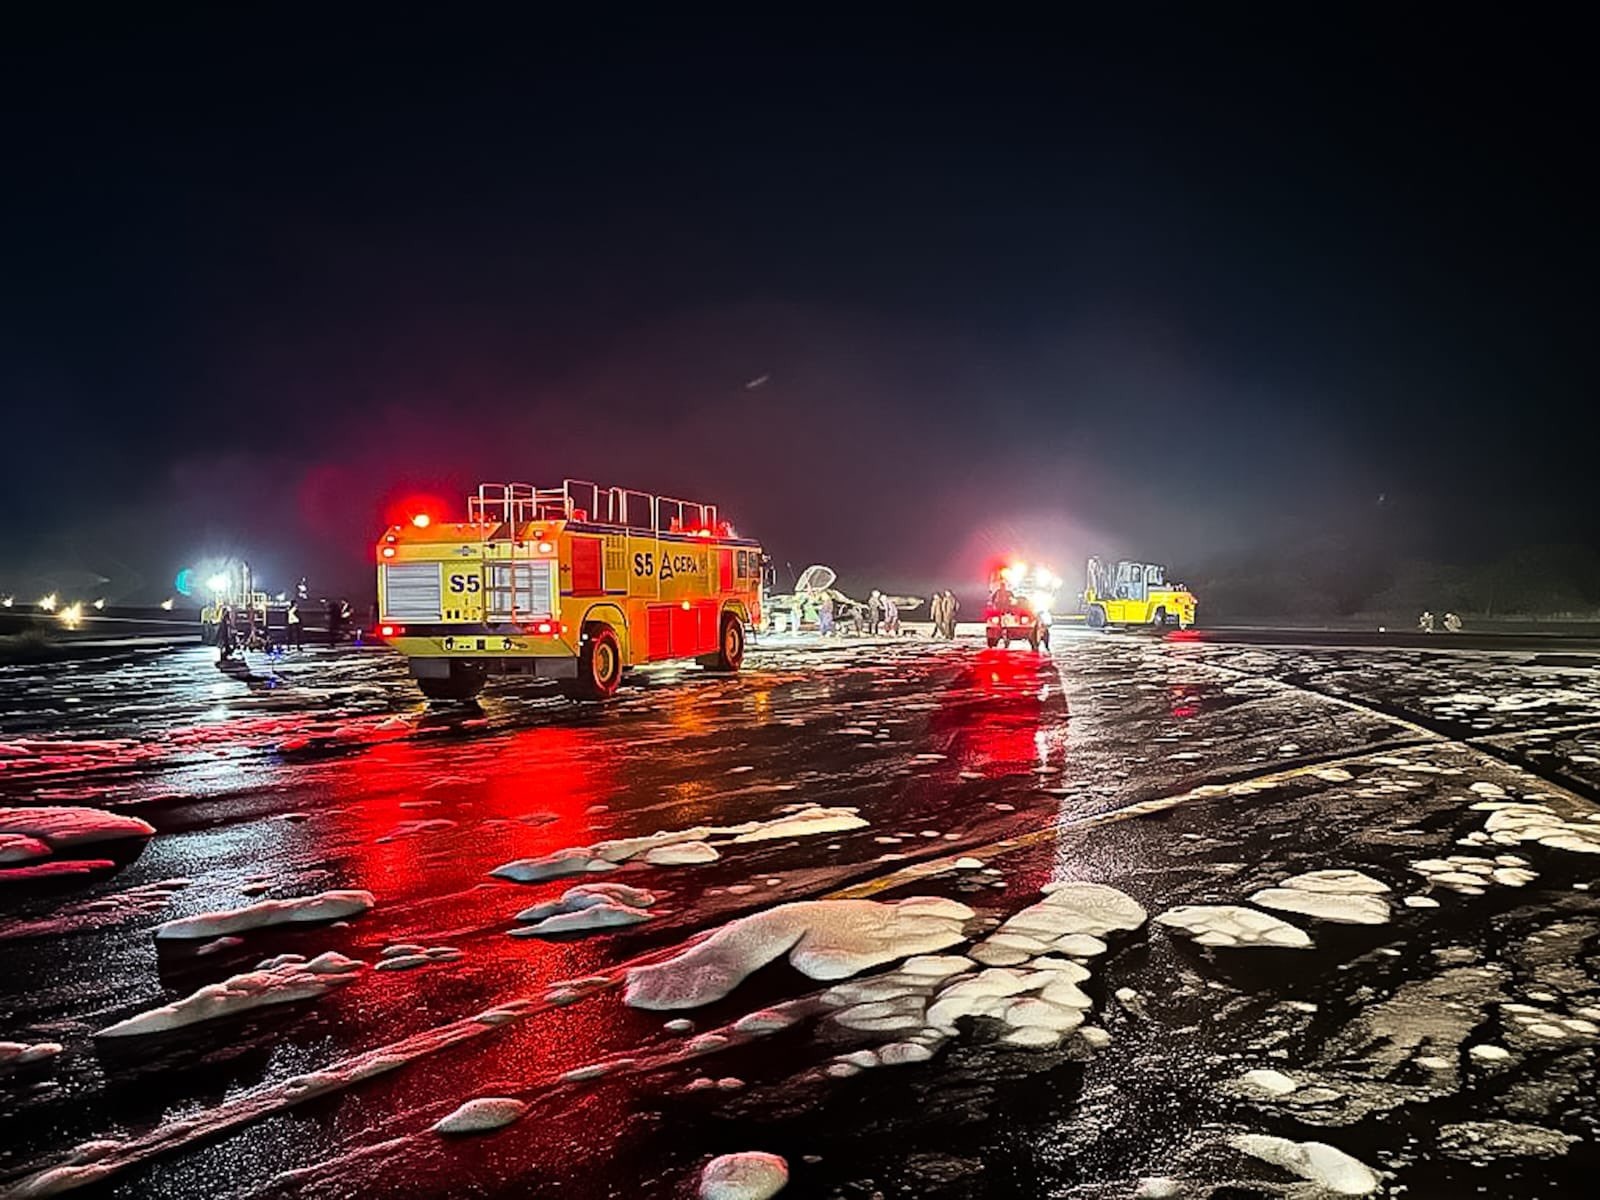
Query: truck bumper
column 544, row 667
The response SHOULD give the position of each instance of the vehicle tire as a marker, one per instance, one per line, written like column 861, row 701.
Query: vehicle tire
column 1096, row 617
column 991, row 637
column 465, row 681
column 1159, row 620
column 730, row 644
column 599, row 664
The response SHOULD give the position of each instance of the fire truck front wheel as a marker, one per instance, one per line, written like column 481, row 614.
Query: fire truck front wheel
column 1097, row 617
column 992, row 638
column 466, row 680
column 599, row 664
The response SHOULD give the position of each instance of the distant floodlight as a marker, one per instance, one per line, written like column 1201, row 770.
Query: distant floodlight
column 218, row 583
column 48, row 603
column 100, row 603
column 7, row 601
column 167, row 604
column 72, row 615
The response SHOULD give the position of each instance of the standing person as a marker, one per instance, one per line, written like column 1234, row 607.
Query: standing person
column 874, row 612
column 936, row 613
column 951, row 607
column 891, row 617
column 225, row 634
column 330, row 616
column 342, row 617
column 295, row 629
column 825, row 615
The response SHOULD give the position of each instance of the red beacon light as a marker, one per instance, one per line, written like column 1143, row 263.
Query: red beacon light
column 391, row 630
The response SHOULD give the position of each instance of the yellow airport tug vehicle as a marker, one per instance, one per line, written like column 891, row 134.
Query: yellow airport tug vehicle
column 578, row 583
column 1133, row 593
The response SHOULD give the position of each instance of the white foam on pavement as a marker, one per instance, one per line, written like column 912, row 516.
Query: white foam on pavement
column 748, row 1175
column 1233, row 925
column 480, row 1115
column 325, row 906
column 277, row 982
column 587, row 907
column 559, row 865
column 1325, row 906
column 1339, row 881
column 17, row 847
column 678, row 847
column 1318, row 1162
column 824, row 939
column 22, row 1054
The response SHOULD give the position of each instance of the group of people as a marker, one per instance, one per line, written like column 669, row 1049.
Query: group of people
column 240, row 629
column 878, row 617
column 1428, row 623
column 883, row 615
column 942, row 608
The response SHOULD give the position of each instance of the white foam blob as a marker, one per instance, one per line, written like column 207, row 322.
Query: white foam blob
column 1318, row 1162
column 748, row 1175
column 279, row 981
column 325, row 906
column 1344, row 909
column 481, row 1115
column 824, row 939
column 1233, row 925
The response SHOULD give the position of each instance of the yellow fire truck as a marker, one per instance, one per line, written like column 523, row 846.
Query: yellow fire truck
column 577, row 583
column 1134, row 593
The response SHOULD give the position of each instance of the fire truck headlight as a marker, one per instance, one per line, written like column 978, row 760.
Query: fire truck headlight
column 218, row 583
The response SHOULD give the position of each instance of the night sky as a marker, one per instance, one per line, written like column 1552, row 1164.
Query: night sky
column 1188, row 291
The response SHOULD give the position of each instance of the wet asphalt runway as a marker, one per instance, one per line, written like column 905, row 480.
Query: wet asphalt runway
column 1184, row 771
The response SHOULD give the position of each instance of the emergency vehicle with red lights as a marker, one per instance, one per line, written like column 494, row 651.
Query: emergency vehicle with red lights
column 1021, row 598
column 577, row 583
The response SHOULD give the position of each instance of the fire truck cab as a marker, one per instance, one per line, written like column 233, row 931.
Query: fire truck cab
column 577, row 583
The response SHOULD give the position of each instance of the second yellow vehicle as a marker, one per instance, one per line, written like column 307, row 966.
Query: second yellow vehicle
column 1133, row 593
column 577, row 583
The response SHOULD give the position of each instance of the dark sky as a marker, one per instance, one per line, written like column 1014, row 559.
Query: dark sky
column 1177, row 290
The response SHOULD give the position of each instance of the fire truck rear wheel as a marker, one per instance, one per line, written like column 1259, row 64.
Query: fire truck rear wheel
column 992, row 638
column 599, row 664
column 1097, row 617
column 466, row 680
column 730, row 643
column 1033, row 640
